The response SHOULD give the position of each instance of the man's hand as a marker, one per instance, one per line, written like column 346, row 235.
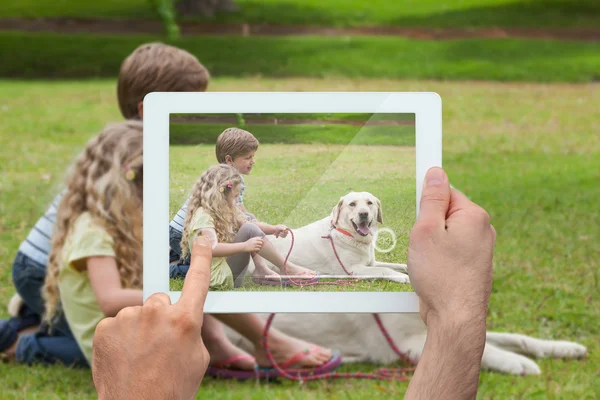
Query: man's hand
column 450, row 253
column 450, row 267
column 280, row 231
column 155, row 351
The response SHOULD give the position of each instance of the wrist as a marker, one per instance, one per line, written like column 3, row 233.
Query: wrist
column 450, row 364
column 457, row 321
column 458, row 333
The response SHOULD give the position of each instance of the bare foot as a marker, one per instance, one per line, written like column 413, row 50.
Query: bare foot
column 271, row 275
column 283, row 348
column 298, row 272
column 262, row 271
column 223, row 350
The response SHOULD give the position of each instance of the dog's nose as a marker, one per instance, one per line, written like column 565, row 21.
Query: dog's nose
column 363, row 214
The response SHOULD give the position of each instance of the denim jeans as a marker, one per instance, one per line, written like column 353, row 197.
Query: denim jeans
column 177, row 267
column 237, row 262
column 47, row 346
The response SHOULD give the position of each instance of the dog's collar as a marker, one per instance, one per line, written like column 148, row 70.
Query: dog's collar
column 343, row 231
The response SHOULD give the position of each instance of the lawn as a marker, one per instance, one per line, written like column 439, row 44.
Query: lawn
column 420, row 13
column 188, row 134
column 47, row 55
column 528, row 153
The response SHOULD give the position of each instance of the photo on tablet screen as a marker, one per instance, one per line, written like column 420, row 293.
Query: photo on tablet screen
column 344, row 185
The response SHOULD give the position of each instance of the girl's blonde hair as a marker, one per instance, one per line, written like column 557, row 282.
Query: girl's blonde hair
column 210, row 192
column 106, row 180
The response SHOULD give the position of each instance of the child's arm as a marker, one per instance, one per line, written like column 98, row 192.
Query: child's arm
column 266, row 228
column 106, row 283
column 229, row 249
column 277, row 230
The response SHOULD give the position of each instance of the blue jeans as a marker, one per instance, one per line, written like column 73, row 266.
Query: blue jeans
column 47, row 346
column 238, row 263
column 177, row 267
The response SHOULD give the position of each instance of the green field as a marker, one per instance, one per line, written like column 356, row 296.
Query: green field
column 528, row 153
column 47, row 55
column 189, row 133
column 421, row 13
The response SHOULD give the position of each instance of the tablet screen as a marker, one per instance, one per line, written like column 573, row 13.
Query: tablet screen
column 344, row 185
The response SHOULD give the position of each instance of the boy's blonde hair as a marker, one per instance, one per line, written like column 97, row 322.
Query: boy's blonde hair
column 235, row 142
column 208, row 195
column 157, row 67
column 106, row 180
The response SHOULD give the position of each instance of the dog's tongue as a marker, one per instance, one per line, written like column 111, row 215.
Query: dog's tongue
column 364, row 229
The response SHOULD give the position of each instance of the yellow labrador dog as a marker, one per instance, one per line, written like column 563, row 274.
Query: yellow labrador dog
column 352, row 225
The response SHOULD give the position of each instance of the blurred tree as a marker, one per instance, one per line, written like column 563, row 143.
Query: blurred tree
column 166, row 11
column 207, row 8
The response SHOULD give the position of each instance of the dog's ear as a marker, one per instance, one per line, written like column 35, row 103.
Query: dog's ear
column 335, row 214
column 379, row 213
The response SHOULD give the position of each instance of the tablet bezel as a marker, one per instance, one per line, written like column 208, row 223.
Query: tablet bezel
column 158, row 106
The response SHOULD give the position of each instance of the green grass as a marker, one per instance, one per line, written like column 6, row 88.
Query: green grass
column 421, row 13
column 190, row 133
column 527, row 153
column 34, row 55
column 334, row 285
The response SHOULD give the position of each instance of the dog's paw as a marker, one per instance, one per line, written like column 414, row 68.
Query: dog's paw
column 400, row 278
column 561, row 349
column 515, row 365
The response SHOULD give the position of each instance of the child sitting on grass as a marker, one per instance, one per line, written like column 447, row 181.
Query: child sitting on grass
column 213, row 212
column 235, row 147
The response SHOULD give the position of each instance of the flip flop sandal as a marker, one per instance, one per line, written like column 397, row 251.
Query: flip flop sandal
column 271, row 281
column 299, row 280
column 285, row 281
column 302, row 372
column 220, row 370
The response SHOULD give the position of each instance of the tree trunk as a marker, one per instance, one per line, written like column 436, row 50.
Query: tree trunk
column 206, row 8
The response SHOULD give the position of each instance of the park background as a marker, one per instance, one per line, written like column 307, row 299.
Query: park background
column 519, row 83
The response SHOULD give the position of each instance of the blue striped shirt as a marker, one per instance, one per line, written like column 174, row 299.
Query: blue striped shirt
column 38, row 243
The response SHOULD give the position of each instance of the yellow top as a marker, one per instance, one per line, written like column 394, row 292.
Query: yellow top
column 86, row 239
column 221, row 277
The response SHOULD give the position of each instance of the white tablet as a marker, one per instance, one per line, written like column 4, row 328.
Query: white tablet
column 343, row 171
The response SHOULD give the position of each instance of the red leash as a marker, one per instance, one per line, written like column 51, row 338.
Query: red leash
column 388, row 374
column 338, row 283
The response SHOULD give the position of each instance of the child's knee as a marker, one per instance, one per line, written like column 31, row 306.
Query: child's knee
column 251, row 230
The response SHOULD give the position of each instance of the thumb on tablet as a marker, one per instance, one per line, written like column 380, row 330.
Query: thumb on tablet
column 435, row 198
column 197, row 280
